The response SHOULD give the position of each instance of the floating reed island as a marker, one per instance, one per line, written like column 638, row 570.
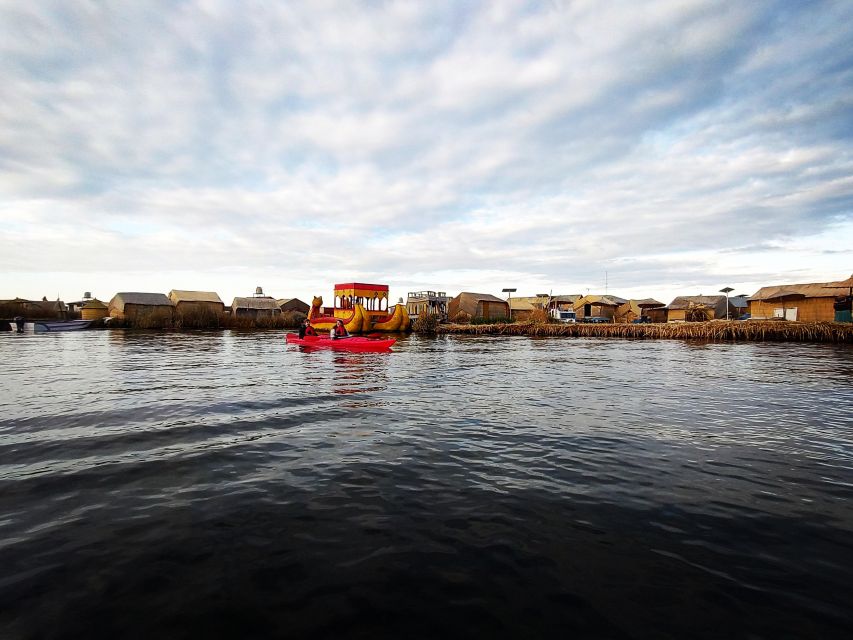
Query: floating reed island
column 716, row 330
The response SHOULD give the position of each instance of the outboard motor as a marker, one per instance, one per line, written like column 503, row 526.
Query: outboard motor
column 19, row 323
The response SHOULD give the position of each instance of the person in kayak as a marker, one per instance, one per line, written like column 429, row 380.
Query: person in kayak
column 339, row 330
column 305, row 329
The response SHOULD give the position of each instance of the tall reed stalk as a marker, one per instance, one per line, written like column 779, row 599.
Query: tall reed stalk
column 718, row 330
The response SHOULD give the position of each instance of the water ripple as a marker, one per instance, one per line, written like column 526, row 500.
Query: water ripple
column 226, row 485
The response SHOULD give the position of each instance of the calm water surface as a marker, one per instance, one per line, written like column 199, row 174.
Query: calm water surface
column 226, row 485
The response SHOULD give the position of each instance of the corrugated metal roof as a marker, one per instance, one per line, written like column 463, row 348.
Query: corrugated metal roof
column 693, row 302
column 605, row 300
column 649, row 303
column 847, row 284
column 479, row 297
column 813, row 290
column 182, row 295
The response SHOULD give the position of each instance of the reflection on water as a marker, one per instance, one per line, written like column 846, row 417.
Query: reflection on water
column 226, row 485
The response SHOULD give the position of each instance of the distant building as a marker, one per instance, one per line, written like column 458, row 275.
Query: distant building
column 132, row 304
column 539, row 301
column 522, row 308
column 77, row 305
column 696, row 309
column 293, row 304
column 94, row 309
column 478, row 305
column 597, row 306
column 43, row 309
column 196, row 301
column 564, row 302
column 813, row 302
column 738, row 305
column 656, row 314
column 254, row 307
column 633, row 309
column 434, row 302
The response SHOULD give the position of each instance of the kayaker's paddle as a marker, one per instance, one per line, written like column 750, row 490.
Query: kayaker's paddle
column 374, row 335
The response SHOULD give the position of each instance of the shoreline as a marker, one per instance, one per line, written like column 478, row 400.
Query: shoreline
column 715, row 330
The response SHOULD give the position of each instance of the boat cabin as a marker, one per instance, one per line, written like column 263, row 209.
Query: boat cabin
column 373, row 297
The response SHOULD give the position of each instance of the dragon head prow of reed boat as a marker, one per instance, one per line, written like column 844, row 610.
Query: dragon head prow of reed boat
column 362, row 307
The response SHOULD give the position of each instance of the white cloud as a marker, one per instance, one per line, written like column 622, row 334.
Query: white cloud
column 449, row 146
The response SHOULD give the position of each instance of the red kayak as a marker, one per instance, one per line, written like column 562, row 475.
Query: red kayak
column 351, row 343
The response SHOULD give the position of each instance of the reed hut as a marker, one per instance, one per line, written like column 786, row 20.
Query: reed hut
column 597, row 306
column 94, row 309
column 129, row 305
column 656, row 314
column 633, row 309
column 478, row 305
column 522, row 308
column 43, row 309
column 696, row 309
column 255, row 307
column 539, row 301
column 814, row 302
column 293, row 304
column 207, row 302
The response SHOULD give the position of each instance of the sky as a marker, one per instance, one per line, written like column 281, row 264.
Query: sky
column 642, row 149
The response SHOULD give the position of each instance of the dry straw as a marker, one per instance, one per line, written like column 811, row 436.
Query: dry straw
column 717, row 330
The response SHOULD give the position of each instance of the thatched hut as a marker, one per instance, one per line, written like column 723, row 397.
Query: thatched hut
column 293, row 304
column 255, row 307
column 43, row 309
column 696, row 308
column 628, row 312
column 196, row 301
column 478, row 305
column 656, row 314
column 129, row 305
column 94, row 309
column 522, row 308
column 814, row 302
column 597, row 306
column 633, row 309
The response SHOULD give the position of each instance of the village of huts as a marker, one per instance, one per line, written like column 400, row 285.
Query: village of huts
column 185, row 308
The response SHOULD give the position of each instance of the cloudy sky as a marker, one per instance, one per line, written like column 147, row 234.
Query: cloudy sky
column 662, row 148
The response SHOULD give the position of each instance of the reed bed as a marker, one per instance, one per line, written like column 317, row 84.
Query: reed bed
column 286, row 320
column 718, row 330
column 193, row 319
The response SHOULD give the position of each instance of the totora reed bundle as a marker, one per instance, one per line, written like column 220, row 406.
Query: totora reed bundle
column 717, row 330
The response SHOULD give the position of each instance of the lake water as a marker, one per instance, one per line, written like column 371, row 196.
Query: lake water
column 159, row 485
